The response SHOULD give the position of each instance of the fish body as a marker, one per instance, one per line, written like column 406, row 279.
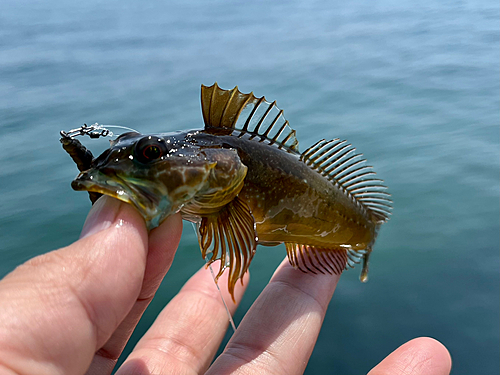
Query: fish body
column 292, row 202
column 243, row 181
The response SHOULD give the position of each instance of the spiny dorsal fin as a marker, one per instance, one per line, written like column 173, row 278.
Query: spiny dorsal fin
column 261, row 120
column 337, row 161
column 230, row 236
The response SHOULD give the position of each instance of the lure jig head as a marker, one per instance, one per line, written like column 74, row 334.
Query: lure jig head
column 93, row 131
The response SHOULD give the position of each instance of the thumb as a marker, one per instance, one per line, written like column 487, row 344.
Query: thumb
column 59, row 308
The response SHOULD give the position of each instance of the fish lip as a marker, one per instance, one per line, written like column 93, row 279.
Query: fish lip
column 96, row 181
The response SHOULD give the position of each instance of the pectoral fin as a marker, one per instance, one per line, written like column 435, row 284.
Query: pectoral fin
column 229, row 234
column 324, row 260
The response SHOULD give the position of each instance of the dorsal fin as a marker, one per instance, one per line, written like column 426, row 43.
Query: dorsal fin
column 261, row 120
column 337, row 161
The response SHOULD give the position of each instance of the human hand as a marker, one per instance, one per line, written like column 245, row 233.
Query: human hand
column 71, row 311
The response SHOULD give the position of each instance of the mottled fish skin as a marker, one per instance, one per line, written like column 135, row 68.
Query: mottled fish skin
column 291, row 202
column 242, row 180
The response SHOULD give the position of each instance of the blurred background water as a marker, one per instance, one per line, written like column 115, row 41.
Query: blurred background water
column 413, row 85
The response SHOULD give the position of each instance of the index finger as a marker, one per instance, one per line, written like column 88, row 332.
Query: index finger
column 278, row 333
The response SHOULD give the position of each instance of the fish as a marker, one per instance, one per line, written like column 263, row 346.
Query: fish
column 243, row 182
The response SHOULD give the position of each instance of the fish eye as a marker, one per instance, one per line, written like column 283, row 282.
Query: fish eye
column 152, row 152
column 149, row 149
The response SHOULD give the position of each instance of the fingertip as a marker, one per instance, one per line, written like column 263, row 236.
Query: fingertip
column 440, row 354
column 164, row 239
column 108, row 211
column 319, row 285
column 420, row 356
column 169, row 231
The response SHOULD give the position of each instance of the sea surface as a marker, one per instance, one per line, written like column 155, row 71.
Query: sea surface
column 414, row 86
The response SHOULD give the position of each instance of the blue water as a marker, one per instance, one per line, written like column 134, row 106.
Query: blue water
column 413, row 85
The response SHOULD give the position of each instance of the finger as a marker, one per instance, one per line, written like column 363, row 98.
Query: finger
column 421, row 356
column 59, row 308
column 163, row 242
column 186, row 335
column 278, row 333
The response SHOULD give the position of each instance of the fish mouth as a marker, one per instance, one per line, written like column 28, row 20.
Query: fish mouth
column 145, row 200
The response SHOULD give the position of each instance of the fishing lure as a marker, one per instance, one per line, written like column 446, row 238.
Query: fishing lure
column 243, row 182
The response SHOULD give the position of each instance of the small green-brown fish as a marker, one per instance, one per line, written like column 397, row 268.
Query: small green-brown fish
column 243, row 181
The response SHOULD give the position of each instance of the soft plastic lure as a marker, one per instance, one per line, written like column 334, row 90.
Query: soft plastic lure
column 243, row 181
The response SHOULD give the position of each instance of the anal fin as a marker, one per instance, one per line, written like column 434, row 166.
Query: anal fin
column 229, row 235
column 314, row 259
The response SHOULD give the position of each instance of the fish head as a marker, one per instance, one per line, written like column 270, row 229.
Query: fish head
column 158, row 174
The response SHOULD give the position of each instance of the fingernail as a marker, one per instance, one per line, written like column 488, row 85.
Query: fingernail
column 101, row 216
